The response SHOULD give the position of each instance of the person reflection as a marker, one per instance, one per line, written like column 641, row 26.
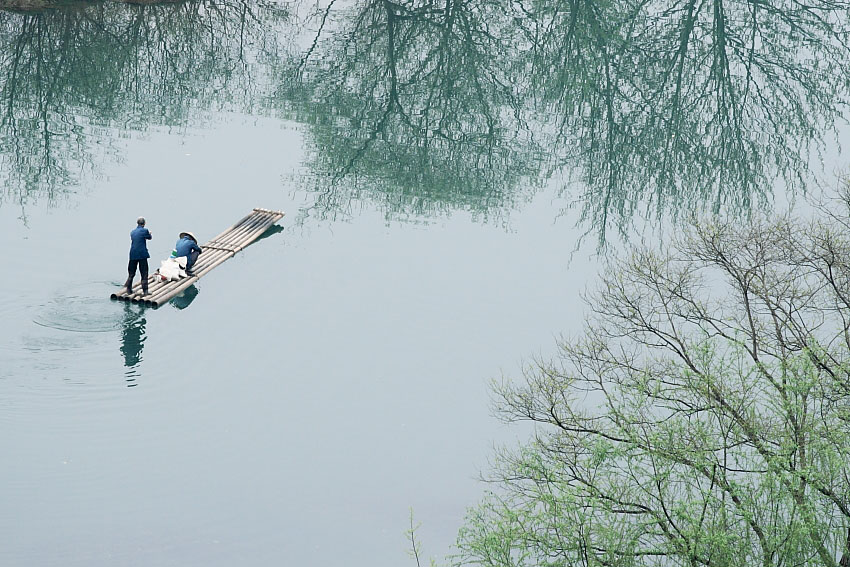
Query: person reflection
column 132, row 340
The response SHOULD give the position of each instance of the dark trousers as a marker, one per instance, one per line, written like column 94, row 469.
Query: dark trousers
column 191, row 259
column 143, row 270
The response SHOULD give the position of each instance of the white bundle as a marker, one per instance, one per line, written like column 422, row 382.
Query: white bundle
column 172, row 269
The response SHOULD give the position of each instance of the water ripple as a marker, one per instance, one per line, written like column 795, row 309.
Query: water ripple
column 83, row 309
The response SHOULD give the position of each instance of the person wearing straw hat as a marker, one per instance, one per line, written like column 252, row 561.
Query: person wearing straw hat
column 138, row 256
column 187, row 246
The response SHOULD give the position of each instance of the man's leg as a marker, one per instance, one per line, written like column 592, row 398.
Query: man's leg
column 131, row 270
column 191, row 259
column 143, row 270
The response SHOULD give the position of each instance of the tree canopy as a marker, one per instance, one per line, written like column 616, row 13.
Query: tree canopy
column 703, row 417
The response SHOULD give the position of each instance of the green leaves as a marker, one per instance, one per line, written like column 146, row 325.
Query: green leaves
column 698, row 423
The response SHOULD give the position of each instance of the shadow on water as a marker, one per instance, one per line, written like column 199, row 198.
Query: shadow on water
column 132, row 341
column 270, row 231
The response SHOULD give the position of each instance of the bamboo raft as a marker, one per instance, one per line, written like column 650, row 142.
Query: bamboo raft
column 221, row 248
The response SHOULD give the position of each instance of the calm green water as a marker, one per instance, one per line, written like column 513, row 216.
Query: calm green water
column 452, row 174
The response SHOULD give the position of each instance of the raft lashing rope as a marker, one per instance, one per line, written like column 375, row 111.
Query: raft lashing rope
column 221, row 248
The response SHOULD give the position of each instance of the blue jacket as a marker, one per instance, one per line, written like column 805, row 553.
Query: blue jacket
column 184, row 247
column 138, row 246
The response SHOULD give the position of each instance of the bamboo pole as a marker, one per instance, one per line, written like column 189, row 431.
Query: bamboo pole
column 235, row 242
column 155, row 284
column 123, row 296
column 217, row 250
column 242, row 220
column 233, row 239
column 218, row 256
column 230, row 243
column 238, row 241
column 233, row 236
column 137, row 287
column 163, row 297
column 214, row 248
column 244, row 228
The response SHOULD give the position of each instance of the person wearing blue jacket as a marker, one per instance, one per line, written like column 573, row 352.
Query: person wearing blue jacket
column 188, row 246
column 138, row 255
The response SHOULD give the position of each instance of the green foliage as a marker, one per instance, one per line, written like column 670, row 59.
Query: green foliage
column 702, row 419
column 415, row 550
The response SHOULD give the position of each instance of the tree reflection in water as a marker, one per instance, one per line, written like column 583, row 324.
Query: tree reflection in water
column 76, row 79
column 425, row 107
column 650, row 107
column 680, row 104
column 415, row 108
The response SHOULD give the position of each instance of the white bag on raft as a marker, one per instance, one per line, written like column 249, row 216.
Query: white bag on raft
column 172, row 269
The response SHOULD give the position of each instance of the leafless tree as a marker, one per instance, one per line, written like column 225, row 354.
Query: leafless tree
column 703, row 418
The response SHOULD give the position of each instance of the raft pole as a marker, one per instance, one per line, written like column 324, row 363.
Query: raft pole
column 221, row 248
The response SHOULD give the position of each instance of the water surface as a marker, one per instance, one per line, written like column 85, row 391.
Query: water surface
column 439, row 169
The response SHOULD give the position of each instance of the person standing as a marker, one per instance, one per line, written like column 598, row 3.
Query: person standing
column 138, row 255
column 187, row 246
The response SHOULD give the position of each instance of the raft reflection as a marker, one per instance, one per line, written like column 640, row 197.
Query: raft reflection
column 186, row 298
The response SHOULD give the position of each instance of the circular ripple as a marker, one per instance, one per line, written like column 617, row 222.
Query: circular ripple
column 82, row 309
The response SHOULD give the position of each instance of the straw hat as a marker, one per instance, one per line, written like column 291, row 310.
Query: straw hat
column 190, row 235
